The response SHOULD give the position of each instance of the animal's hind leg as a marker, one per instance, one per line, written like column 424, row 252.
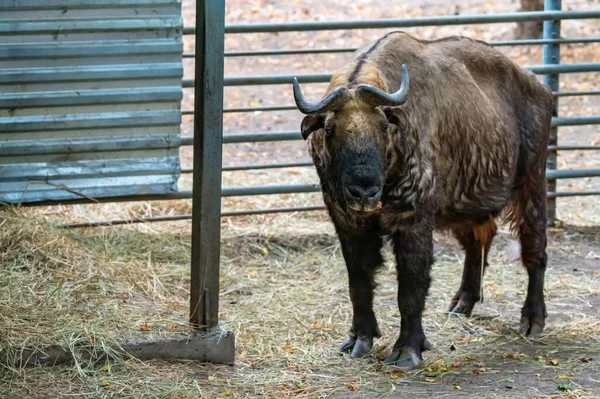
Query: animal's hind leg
column 476, row 242
column 531, row 223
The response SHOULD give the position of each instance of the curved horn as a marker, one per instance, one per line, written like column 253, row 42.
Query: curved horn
column 333, row 101
column 380, row 97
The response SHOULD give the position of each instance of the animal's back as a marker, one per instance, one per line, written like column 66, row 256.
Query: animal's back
column 486, row 119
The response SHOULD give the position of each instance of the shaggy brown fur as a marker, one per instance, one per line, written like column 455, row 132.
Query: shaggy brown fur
column 467, row 146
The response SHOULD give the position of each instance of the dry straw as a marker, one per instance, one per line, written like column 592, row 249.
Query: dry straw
column 284, row 294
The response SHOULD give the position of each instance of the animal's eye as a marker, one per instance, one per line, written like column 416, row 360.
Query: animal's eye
column 328, row 131
column 385, row 126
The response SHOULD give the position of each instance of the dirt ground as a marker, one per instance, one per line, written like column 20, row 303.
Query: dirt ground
column 284, row 295
column 283, row 281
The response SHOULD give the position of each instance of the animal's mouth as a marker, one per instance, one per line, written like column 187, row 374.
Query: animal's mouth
column 366, row 209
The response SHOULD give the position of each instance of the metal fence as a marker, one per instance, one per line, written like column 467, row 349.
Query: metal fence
column 551, row 69
column 90, row 95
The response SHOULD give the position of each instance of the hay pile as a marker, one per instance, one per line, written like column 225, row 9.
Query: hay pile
column 284, row 294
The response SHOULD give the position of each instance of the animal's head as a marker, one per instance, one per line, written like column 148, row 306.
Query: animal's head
column 356, row 143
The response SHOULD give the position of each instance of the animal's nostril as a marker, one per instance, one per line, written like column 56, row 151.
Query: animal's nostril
column 372, row 191
column 356, row 191
column 362, row 193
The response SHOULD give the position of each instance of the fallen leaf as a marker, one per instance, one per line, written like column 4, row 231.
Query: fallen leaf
column 224, row 394
column 513, row 355
column 105, row 383
column 212, row 378
column 562, row 377
column 455, row 365
column 555, row 362
column 315, row 324
column 457, row 387
column 352, row 387
column 144, row 327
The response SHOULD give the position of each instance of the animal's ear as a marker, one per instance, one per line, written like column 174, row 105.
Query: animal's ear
column 312, row 123
column 390, row 115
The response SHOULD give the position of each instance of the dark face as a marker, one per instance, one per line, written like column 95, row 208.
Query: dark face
column 355, row 144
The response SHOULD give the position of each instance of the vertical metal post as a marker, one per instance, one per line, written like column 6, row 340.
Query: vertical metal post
column 551, row 55
column 208, row 132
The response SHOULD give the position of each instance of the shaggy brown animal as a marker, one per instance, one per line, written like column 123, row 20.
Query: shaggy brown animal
column 460, row 145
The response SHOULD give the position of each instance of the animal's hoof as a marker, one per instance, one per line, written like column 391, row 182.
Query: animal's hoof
column 533, row 317
column 462, row 303
column 348, row 343
column 362, row 346
column 357, row 347
column 461, row 309
column 406, row 359
column 426, row 345
column 530, row 328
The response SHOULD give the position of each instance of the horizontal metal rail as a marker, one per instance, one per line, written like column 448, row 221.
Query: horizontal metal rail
column 305, row 26
column 259, row 167
column 573, row 147
column 576, row 121
column 187, row 194
column 173, row 218
column 270, row 190
column 325, row 77
column 576, row 93
column 337, row 50
column 273, row 189
column 260, row 108
column 573, row 194
column 280, row 189
column 292, row 107
column 311, row 164
column 236, row 138
column 571, row 173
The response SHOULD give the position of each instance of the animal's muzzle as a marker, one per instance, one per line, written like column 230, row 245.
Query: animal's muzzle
column 363, row 197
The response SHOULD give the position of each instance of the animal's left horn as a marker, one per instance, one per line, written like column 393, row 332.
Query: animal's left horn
column 332, row 102
column 380, row 97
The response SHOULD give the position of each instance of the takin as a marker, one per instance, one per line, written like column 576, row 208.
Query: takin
column 457, row 147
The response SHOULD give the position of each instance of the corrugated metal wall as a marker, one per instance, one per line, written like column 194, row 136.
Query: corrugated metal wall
column 90, row 98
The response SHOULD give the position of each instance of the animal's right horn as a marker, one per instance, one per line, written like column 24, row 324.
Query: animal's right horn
column 332, row 102
column 379, row 97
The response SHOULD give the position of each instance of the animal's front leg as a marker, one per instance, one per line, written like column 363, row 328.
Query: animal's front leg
column 414, row 254
column 362, row 253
